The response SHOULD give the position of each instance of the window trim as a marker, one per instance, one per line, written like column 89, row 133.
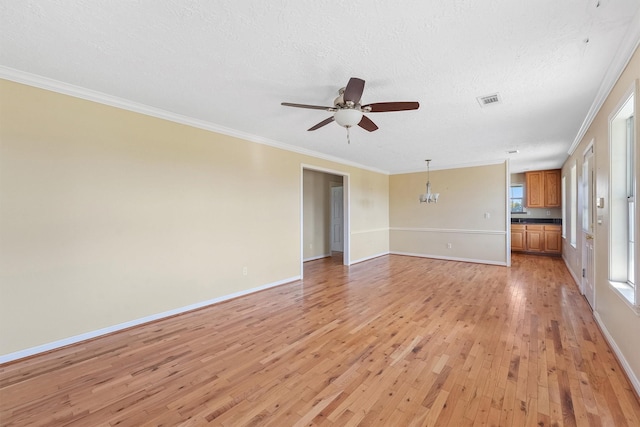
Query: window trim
column 632, row 173
column 573, row 205
column 627, row 293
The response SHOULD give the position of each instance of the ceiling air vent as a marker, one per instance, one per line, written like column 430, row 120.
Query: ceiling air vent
column 489, row 99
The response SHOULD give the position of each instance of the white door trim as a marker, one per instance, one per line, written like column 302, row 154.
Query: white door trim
column 588, row 265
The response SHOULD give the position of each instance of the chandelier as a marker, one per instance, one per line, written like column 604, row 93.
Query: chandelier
column 429, row 197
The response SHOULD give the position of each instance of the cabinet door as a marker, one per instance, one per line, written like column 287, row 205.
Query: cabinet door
column 535, row 240
column 517, row 239
column 552, row 240
column 552, row 194
column 535, row 189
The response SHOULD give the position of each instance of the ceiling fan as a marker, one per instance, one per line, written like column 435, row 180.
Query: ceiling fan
column 347, row 109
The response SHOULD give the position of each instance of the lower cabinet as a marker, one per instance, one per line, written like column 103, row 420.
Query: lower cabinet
column 518, row 236
column 536, row 238
column 553, row 239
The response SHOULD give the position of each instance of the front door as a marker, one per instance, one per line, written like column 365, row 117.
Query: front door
column 337, row 221
column 588, row 217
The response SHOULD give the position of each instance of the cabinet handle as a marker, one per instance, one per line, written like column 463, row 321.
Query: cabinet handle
column 589, row 237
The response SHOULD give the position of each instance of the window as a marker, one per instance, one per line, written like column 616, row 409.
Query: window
column 631, row 204
column 573, row 205
column 517, row 195
column 623, row 188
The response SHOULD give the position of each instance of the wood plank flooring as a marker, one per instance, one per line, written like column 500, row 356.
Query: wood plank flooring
column 396, row 341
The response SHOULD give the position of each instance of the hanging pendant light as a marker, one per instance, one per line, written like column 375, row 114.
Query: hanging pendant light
column 429, row 197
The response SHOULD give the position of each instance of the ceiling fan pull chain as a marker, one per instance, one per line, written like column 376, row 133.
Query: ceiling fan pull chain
column 348, row 136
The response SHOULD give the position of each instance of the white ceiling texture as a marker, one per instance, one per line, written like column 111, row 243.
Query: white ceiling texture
column 226, row 65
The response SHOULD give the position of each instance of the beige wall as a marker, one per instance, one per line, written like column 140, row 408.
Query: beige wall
column 108, row 216
column 616, row 318
column 466, row 195
column 370, row 234
column 317, row 213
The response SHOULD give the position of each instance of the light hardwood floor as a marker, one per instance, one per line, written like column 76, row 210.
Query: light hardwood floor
column 396, row 341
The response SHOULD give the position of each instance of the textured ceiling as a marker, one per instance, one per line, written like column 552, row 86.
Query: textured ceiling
column 231, row 63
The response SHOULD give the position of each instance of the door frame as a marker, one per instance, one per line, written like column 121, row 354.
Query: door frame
column 590, row 150
column 333, row 186
column 346, row 184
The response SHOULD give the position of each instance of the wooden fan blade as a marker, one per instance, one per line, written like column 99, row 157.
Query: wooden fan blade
column 353, row 91
column 322, row 123
column 367, row 124
column 381, row 107
column 311, row 107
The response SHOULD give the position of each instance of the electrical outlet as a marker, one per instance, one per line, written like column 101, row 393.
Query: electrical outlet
column 245, row 271
column 449, row 246
column 487, row 215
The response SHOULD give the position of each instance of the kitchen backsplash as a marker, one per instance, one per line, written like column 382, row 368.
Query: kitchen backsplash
column 539, row 213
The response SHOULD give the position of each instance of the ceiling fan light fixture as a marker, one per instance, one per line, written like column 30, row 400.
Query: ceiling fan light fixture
column 347, row 117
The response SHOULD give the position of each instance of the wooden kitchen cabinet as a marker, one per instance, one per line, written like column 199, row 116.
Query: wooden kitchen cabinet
column 543, row 189
column 552, row 191
column 518, row 236
column 536, row 238
column 552, row 239
column 535, row 189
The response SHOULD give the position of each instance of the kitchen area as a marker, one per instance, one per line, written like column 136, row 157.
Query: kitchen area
column 536, row 212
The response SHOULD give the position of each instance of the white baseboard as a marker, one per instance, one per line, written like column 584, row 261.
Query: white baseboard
column 447, row 258
column 369, row 258
column 313, row 258
column 612, row 343
column 10, row 357
column 635, row 382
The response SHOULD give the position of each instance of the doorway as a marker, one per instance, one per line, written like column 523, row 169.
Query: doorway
column 324, row 213
column 588, row 217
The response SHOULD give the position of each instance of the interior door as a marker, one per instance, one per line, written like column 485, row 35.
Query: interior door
column 588, row 216
column 337, row 219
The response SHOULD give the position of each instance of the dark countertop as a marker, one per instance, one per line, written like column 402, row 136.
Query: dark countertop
column 536, row 221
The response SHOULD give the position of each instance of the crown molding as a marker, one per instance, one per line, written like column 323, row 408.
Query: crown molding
column 621, row 59
column 57, row 86
column 455, row 166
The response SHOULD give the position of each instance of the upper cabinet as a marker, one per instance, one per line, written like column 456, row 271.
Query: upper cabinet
column 552, row 193
column 543, row 189
column 535, row 189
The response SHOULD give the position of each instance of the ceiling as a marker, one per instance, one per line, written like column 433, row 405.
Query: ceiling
column 228, row 64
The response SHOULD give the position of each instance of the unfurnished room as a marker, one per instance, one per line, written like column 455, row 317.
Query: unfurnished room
column 331, row 213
